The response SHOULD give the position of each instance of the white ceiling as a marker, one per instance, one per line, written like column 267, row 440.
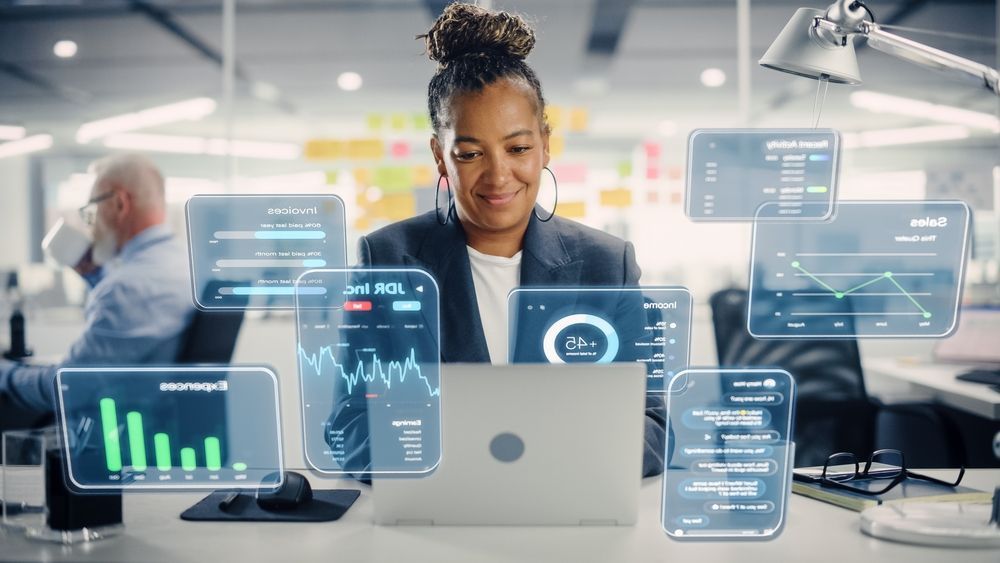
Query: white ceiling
column 128, row 61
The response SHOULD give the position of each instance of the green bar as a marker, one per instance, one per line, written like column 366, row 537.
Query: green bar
column 187, row 459
column 161, row 442
column 240, row 466
column 136, row 442
column 816, row 189
column 213, row 454
column 109, row 425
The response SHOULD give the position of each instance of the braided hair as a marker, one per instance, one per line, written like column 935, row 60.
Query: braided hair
column 474, row 48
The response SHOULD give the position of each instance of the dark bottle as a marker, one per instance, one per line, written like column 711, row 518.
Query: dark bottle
column 18, row 340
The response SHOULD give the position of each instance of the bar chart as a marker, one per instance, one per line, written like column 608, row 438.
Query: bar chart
column 170, row 428
column 136, row 435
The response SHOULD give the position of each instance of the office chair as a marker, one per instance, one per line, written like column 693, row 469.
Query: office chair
column 209, row 339
column 834, row 412
column 211, row 336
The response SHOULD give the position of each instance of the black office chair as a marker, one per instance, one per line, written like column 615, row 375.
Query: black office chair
column 209, row 339
column 211, row 336
column 833, row 412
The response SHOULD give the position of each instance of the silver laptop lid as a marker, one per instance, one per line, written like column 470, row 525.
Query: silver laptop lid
column 529, row 444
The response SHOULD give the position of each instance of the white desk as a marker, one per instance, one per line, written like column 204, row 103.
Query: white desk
column 937, row 382
column 154, row 532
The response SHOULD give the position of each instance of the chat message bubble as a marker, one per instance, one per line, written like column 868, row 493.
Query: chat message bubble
column 731, row 467
column 757, row 507
column 741, row 399
column 692, row 521
column 760, row 436
column 728, row 451
column 696, row 488
column 725, row 417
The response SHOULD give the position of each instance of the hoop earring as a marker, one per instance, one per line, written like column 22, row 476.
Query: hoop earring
column 554, row 205
column 437, row 206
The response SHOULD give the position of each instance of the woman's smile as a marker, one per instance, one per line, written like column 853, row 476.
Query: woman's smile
column 501, row 199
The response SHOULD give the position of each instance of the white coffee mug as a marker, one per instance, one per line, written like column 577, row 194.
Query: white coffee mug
column 66, row 244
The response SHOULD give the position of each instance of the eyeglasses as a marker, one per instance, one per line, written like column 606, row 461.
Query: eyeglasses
column 89, row 211
column 882, row 464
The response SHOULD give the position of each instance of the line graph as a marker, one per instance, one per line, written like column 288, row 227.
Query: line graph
column 368, row 355
column 840, row 294
column 393, row 371
column 878, row 269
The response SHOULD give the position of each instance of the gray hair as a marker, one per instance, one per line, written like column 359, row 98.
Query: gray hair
column 137, row 175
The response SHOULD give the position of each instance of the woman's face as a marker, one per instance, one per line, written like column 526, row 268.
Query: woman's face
column 493, row 153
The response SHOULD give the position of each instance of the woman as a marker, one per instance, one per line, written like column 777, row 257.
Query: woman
column 491, row 145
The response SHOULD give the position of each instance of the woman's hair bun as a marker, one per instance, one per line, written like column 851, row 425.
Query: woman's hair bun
column 468, row 30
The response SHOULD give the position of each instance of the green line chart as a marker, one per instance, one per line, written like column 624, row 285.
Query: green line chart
column 877, row 277
column 878, row 269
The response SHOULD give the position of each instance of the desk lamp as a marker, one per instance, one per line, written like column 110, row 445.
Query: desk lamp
column 819, row 44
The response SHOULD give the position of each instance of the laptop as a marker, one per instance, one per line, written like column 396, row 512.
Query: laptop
column 529, row 444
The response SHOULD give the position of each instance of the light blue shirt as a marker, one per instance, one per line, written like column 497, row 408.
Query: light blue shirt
column 136, row 313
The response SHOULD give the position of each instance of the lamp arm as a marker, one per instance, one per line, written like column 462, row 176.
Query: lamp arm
column 927, row 56
column 834, row 34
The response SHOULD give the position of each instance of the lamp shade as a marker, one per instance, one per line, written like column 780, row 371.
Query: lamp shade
column 799, row 50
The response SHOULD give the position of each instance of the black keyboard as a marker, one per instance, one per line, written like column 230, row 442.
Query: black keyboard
column 984, row 376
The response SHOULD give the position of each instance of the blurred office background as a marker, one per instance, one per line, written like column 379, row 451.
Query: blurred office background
column 329, row 96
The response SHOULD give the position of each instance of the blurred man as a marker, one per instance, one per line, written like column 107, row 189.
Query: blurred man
column 140, row 304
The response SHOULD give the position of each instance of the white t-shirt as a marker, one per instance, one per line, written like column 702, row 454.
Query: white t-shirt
column 494, row 277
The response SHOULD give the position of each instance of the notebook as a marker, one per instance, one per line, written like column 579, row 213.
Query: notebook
column 910, row 490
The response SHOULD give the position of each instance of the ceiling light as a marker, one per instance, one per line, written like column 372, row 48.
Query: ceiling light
column 188, row 110
column 65, row 49
column 27, row 145
column 11, row 132
column 349, row 81
column 906, row 136
column 713, row 77
column 265, row 91
column 884, row 103
column 254, row 149
column 201, row 145
column 158, row 143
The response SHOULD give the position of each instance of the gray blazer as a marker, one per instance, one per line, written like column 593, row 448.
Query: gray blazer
column 558, row 253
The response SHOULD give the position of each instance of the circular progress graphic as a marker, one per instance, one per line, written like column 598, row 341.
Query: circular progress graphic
column 577, row 345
